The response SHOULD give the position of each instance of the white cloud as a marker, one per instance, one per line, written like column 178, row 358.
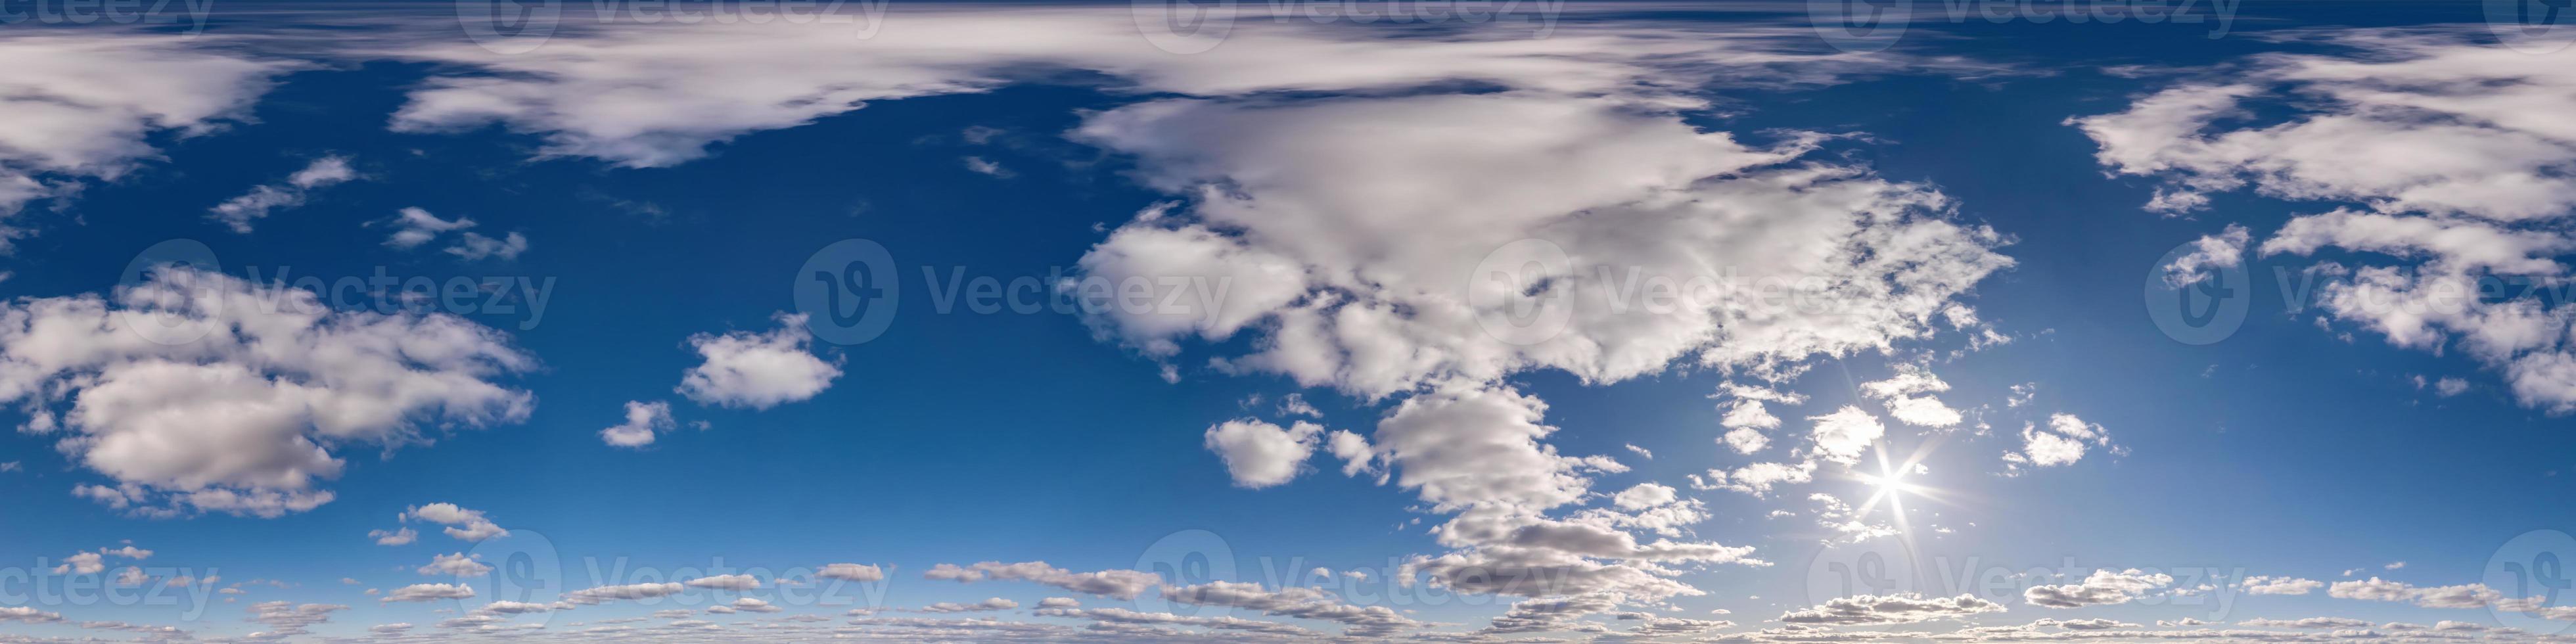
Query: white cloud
column 657, row 95
column 199, row 391
column 28, row 615
column 428, row 592
column 1120, row 584
column 605, row 594
column 1346, row 228
column 2223, row 250
column 287, row 619
column 323, row 172
column 1842, row 436
column 851, row 572
column 468, row 525
column 1758, row 478
column 85, row 563
column 985, row 167
column 85, row 105
column 643, row 420
column 505, row 607
column 396, row 537
column 1747, row 417
column 1295, row 603
column 1891, row 609
column 1472, row 446
column 2262, row 585
column 1260, row 454
column 2062, row 442
column 757, row 370
column 2460, row 596
column 415, row 226
column 992, row 604
column 725, row 582
column 2451, row 152
column 2102, row 587
column 473, row 246
column 2448, row 387
column 456, row 565
column 1907, row 395
column 1643, row 496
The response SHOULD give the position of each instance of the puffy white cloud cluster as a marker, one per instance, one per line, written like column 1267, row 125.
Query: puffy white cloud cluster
column 1891, row 609
column 463, row 524
column 456, row 565
column 2264, row 585
column 1120, row 584
column 756, row 370
column 197, row 391
column 85, row 104
column 1444, row 210
column 2456, row 153
column 427, row 592
column 2061, row 442
column 414, row 227
column 1295, row 603
column 643, row 420
column 2101, row 587
column 1908, row 397
column 1747, row 417
column 1259, row 454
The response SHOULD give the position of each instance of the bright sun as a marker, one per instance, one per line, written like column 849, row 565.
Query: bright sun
column 1894, row 482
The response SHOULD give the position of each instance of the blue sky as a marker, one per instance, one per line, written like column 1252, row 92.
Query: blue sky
column 1388, row 331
